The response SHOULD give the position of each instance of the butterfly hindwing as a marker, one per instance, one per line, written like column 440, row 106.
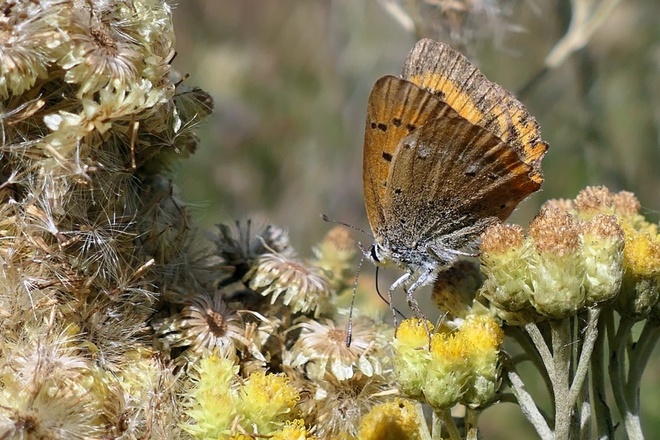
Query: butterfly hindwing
column 450, row 175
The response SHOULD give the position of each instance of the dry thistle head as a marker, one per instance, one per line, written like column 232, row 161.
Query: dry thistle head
column 303, row 287
column 239, row 250
column 206, row 325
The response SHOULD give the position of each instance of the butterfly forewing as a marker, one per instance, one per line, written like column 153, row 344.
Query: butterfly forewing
column 448, row 75
column 396, row 108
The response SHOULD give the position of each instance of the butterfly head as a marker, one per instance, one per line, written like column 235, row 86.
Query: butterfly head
column 381, row 255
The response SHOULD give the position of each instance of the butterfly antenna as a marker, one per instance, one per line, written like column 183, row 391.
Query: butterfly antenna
column 355, row 228
column 349, row 326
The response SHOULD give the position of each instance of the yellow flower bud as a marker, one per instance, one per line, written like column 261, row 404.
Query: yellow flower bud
column 411, row 355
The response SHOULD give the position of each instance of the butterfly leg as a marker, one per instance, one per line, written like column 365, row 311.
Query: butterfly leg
column 424, row 279
column 395, row 285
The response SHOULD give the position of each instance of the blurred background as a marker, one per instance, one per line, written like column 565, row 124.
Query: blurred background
column 290, row 80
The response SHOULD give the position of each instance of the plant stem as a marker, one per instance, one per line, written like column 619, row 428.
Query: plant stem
column 424, row 433
column 532, row 353
column 617, row 363
column 526, row 402
column 582, row 368
column 561, row 344
column 471, row 424
column 448, row 421
column 602, row 415
column 542, row 348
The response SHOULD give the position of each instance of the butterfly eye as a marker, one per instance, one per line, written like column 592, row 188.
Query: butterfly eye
column 374, row 253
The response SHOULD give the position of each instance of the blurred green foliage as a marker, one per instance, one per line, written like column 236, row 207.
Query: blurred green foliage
column 290, row 81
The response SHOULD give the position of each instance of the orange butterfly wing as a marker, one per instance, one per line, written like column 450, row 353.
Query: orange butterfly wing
column 448, row 75
column 395, row 109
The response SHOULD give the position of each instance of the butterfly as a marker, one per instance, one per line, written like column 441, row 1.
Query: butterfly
column 447, row 153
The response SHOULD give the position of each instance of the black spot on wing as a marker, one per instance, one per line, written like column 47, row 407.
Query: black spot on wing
column 387, row 156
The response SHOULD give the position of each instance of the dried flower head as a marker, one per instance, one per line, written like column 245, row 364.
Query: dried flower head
column 238, row 249
column 321, row 349
column 339, row 406
column 28, row 36
column 47, row 386
column 303, row 287
column 206, row 325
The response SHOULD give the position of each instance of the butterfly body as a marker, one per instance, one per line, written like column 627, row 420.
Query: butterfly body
column 436, row 170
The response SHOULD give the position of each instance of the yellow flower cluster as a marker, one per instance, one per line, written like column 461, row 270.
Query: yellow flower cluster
column 224, row 407
column 460, row 366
